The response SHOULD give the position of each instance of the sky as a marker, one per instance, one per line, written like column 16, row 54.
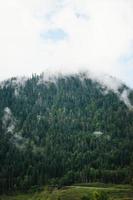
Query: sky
column 66, row 35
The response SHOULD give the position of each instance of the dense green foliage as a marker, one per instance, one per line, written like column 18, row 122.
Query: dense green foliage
column 63, row 132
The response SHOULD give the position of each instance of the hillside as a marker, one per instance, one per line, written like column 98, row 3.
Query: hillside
column 62, row 130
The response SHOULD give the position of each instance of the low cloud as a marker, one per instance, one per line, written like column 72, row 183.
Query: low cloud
column 8, row 121
column 108, row 83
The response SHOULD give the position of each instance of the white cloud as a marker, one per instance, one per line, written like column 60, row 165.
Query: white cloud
column 8, row 121
column 96, row 41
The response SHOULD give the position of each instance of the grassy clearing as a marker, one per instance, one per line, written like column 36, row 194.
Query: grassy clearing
column 115, row 192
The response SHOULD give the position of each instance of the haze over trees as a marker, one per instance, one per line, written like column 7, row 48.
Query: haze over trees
column 64, row 130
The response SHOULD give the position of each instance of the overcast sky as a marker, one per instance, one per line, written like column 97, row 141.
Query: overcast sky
column 66, row 34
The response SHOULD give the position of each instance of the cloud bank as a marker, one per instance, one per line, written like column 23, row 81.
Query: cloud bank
column 69, row 35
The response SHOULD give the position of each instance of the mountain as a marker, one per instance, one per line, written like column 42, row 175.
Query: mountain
column 64, row 129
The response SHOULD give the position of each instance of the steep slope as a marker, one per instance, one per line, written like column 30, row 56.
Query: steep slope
column 65, row 129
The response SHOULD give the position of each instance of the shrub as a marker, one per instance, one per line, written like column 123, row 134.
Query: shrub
column 87, row 197
column 100, row 195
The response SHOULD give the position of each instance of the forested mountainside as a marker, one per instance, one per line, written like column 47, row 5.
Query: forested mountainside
column 64, row 130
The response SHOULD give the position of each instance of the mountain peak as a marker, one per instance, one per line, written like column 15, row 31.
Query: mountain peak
column 108, row 83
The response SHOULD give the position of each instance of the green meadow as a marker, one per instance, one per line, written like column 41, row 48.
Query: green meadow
column 77, row 192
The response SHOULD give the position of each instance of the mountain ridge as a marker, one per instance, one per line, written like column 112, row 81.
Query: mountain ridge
column 108, row 82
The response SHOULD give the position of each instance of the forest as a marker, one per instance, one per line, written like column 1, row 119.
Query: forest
column 63, row 131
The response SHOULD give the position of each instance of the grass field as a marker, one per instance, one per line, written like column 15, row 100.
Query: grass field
column 76, row 192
